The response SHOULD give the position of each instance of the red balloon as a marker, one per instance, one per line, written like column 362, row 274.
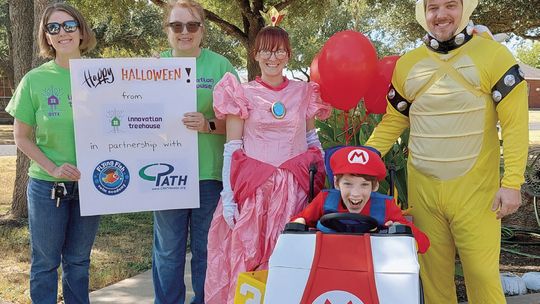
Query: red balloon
column 314, row 70
column 375, row 98
column 315, row 75
column 346, row 66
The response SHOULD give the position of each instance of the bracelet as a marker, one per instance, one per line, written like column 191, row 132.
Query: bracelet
column 211, row 126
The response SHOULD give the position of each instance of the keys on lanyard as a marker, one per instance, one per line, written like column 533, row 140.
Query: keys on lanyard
column 58, row 191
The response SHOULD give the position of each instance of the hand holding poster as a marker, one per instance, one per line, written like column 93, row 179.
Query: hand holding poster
column 133, row 151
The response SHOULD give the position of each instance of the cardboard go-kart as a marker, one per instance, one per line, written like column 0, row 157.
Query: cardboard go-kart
column 355, row 265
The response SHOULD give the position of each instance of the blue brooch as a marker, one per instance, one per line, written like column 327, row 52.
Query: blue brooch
column 278, row 110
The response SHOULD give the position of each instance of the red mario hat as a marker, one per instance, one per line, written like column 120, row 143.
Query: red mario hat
column 357, row 160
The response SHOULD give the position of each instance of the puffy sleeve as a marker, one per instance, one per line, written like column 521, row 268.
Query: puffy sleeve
column 229, row 98
column 317, row 107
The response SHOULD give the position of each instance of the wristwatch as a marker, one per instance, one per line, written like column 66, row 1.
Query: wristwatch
column 211, row 126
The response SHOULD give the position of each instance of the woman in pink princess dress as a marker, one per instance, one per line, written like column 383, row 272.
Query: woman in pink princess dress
column 271, row 143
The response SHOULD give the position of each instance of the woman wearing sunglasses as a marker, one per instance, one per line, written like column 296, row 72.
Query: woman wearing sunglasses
column 271, row 144
column 184, row 24
column 42, row 101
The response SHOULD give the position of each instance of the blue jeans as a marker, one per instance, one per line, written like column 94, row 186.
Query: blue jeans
column 169, row 252
column 59, row 234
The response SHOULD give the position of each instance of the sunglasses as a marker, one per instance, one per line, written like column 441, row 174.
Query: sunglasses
column 69, row 26
column 279, row 54
column 178, row 27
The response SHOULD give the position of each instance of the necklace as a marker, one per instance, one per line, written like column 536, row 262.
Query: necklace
column 278, row 110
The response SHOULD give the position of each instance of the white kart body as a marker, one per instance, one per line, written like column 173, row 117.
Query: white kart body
column 395, row 271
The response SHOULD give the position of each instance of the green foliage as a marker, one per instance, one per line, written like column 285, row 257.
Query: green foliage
column 5, row 64
column 219, row 42
column 127, row 28
column 333, row 132
column 529, row 53
column 396, row 20
column 308, row 35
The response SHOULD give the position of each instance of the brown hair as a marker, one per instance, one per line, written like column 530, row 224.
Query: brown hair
column 88, row 39
column 194, row 8
column 271, row 38
column 370, row 178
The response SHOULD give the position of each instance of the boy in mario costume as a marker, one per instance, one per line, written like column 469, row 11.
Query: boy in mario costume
column 357, row 171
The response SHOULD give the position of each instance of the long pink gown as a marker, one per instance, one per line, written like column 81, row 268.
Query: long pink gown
column 269, row 176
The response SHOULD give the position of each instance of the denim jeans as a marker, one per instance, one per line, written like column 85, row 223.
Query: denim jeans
column 59, row 234
column 169, row 252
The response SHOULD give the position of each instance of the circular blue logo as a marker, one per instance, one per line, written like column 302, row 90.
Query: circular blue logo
column 111, row 177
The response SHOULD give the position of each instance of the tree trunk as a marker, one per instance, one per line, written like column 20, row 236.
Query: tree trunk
column 39, row 7
column 8, row 61
column 253, row 67
column 21, row 13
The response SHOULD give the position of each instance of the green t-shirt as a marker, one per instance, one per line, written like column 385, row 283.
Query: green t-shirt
column 43, row 100
column 210, row 69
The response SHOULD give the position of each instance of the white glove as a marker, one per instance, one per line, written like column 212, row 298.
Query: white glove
column 532, row 281
column 512, row 284
column 230, row 209
column 312, row 140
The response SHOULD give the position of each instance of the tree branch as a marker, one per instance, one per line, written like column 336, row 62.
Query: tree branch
column 305, row 72
column 160, row 3
column 536, row 38
column 229, row 28
column 284, row 4
column 258, row 5
column 245, row 7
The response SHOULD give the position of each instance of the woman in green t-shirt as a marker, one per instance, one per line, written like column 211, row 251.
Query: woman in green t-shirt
column 42, row 101
column 184, row 24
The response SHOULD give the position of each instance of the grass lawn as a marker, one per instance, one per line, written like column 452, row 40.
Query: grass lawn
column 122, row 249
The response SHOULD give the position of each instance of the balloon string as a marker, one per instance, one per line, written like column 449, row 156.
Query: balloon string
column 346, row 127
column 357, row 127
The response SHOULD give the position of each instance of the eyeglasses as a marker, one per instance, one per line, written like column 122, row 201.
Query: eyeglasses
column 279, row 54
column 69, row 26
column 178, row 27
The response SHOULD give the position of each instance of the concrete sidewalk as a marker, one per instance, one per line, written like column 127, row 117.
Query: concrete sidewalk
column 138, row 289
column 8, row 150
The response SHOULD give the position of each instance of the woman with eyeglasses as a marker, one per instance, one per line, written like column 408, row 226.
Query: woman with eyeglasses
column 184, row 24
column 42, row 102
column 271, row 144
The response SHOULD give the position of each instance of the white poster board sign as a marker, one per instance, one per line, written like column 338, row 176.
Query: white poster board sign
column 133, row 151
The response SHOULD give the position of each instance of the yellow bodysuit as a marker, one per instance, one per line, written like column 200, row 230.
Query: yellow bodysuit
column 454, row 160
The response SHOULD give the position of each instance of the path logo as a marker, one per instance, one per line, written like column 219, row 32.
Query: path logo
column 161, row 174
column 337, row 297
column 358, row 156
column 111, row 177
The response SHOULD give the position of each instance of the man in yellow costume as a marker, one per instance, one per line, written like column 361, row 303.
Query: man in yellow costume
column 451, row 92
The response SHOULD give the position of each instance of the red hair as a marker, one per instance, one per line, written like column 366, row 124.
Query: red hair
column 272, row 38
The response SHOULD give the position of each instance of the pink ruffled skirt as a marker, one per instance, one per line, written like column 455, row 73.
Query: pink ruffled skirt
column 263, row 216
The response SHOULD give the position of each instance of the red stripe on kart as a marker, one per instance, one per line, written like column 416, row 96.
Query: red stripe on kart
column 342, row 266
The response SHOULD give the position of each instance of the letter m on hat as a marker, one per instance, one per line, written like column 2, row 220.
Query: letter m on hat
column 358, row 156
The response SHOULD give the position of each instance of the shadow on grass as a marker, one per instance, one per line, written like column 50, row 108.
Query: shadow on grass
column 122, row 249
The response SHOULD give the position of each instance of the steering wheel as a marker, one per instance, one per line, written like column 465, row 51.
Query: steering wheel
column 350, row 222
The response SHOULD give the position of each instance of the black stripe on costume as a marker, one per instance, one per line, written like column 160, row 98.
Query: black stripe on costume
column 399, row 103
column 506, row 84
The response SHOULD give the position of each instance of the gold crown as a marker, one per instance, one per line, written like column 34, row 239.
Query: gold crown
column 273, row 17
